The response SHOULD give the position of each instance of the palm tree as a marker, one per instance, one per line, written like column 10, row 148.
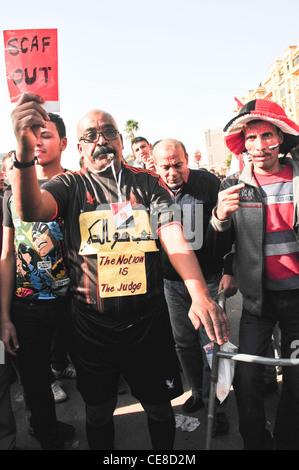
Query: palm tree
column 131, row 126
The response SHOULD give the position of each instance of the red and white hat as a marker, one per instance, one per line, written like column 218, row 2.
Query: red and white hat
column 264, row 110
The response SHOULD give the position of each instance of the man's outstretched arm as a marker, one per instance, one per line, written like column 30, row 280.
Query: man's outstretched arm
column 203, row 308
column 28, row 119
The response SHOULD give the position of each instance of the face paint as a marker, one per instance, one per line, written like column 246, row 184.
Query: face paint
column 262, row 141
column 272, row 147
column 261, row 137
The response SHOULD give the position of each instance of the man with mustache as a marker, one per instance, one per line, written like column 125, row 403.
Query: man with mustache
column 115, row 334
column 258, row 210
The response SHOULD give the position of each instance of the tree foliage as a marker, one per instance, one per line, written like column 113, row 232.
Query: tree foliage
column 131, row 127
column 228, row 160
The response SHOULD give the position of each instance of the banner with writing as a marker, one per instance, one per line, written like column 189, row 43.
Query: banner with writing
column 31, row 59
column 100, row 234
column 120, row 237
column 121, row 274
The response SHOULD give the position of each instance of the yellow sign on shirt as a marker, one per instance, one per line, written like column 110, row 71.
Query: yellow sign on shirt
column 99, row 233
column 120, row 249
column 121, row 274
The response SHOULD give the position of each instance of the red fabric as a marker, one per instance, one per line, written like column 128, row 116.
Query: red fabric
column 279, row 218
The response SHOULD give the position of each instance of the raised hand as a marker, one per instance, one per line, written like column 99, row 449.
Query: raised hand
column 28, row 118
column 228, row 201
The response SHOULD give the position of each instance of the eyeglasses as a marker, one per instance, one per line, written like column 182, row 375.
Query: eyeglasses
column 93, row 136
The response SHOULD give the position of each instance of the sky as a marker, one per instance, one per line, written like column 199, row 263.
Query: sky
column 172, row 66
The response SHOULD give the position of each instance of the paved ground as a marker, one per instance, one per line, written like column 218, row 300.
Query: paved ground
column 130, row 420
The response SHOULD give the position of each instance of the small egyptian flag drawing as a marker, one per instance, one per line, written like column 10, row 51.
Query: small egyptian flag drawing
column 123, row 215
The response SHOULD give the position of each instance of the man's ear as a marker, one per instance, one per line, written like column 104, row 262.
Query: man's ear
column 122, row 142
column 63, row 143
column 280, row 136
column 79, row 147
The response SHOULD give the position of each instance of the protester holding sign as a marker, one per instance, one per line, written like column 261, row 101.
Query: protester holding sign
column 127, row 334
column 35, row 301
column 31, row 58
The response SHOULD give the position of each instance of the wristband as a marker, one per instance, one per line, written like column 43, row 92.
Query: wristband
column 21, row 165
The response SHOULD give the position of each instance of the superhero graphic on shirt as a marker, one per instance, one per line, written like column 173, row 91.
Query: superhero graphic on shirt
column 40, row 270
column 41, row 267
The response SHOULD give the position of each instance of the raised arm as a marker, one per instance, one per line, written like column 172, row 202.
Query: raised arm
column 31, row 203
column 203, row 309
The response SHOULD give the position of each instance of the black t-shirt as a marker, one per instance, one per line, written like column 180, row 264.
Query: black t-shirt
column 95, row 233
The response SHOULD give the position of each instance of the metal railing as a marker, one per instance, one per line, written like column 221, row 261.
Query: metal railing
column 217, row 354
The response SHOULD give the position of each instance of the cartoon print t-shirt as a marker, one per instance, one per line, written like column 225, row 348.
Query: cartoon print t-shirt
column 41, row 271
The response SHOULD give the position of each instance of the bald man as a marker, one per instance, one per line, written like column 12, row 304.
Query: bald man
column 120, row 317
column 196, row 193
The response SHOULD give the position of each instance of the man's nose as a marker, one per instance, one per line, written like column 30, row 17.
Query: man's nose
column 172, row 171
column 101, row 140
column 259, row 143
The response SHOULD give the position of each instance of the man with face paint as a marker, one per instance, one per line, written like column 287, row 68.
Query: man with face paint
column 118, row 328
column 258, row 210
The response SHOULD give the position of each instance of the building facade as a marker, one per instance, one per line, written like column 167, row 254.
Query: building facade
column 216, row 149
column 282, row 84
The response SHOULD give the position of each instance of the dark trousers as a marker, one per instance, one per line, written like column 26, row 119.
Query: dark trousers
column 255, row 334
column 59, row 352
column 35, row 324
column 8, row 429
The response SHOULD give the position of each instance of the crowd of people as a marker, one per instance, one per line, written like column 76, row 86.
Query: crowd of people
column 113, row 272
